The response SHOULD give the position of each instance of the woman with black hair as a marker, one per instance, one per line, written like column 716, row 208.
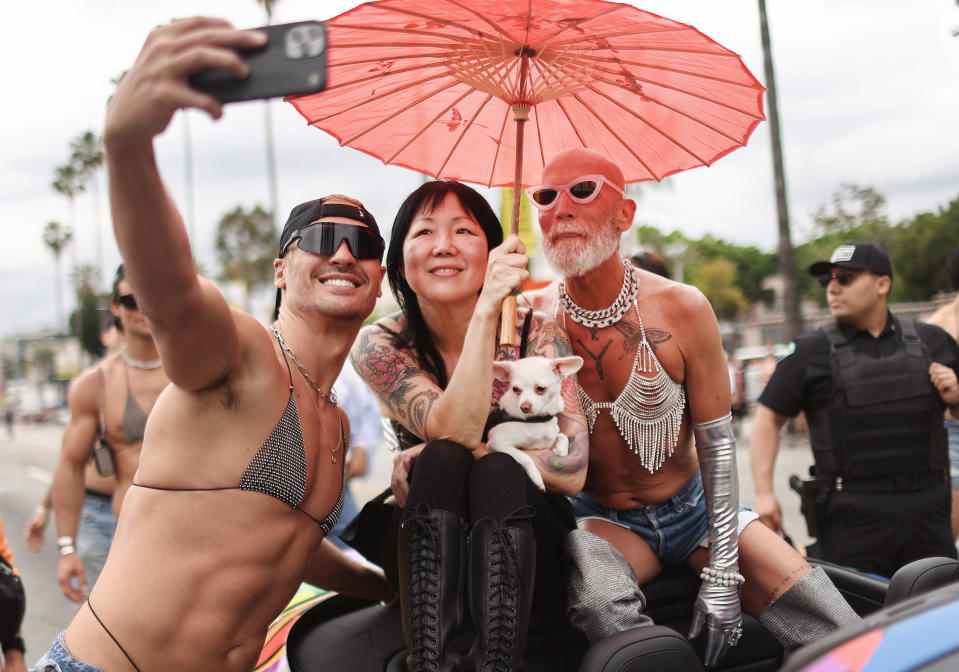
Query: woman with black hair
column 430, row 366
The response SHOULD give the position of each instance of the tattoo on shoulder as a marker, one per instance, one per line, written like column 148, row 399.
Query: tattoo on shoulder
column 546, row 335
column 386, row 371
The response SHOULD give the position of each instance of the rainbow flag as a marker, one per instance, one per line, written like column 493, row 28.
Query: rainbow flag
column 273, row 655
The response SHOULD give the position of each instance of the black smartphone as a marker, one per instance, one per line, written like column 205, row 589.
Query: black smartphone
column 292, row 62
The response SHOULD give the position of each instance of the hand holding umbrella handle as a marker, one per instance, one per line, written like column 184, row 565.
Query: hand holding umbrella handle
column 507, row 324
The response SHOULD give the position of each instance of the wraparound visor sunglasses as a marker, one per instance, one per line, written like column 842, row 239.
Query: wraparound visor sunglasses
column 324, row 238
column 581, row 190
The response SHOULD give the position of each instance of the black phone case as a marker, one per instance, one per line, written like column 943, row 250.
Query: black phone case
column 293, row 62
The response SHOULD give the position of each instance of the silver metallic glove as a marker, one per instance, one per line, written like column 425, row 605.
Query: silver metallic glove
column 717, row 605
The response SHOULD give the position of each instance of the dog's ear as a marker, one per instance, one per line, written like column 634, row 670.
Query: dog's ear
column 565, row 366
column 503, row 369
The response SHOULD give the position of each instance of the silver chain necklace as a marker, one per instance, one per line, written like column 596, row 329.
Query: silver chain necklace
column 607, row 317
column 331, row 397
column 139, row 364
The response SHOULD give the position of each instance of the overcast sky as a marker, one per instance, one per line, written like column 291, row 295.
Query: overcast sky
column 868, row 94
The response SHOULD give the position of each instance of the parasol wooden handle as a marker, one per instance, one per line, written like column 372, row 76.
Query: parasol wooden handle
column 507, row 325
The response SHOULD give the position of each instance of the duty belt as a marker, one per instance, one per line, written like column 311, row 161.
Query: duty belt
column 905, row 482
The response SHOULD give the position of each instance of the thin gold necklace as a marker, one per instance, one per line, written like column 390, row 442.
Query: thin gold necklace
column 334, row 446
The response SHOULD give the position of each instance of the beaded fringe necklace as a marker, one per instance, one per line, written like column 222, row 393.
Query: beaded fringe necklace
column 648, row 413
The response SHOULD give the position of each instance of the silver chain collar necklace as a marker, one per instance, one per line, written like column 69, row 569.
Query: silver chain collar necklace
column 331, row 397
column 138, row 363
column 607, row 317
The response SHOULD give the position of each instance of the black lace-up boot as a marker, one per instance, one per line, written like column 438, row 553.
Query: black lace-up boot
column 431, row 574
column 502, row 571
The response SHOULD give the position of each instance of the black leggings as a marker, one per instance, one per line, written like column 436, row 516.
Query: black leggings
column 445, row 476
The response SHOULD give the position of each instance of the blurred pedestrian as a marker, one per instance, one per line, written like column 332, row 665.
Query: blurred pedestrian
column 366, row 429
column 874, row 387
column 652, row 261
column 947, row 317
column 109, row 405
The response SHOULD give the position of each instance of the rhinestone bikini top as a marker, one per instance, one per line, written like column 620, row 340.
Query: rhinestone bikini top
column 648, row 413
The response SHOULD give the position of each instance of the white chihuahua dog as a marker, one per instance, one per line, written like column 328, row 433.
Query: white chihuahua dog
column 531, row 403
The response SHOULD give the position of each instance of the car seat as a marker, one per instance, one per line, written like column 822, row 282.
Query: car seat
column 920, row 576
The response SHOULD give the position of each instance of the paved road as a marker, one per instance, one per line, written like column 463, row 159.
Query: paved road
column 26, row 464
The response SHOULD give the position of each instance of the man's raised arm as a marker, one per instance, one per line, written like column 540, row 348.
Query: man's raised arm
column 191, row 322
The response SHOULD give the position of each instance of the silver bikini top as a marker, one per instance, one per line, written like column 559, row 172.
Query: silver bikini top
column 649, row 411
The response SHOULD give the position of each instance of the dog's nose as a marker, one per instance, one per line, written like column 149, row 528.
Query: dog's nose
column 525, row 407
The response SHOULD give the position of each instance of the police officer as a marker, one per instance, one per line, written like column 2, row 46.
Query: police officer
column 874, row 388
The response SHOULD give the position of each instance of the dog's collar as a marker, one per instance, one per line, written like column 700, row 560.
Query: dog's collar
column 500, row 416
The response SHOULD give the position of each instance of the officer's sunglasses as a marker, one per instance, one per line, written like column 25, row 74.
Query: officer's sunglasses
column 128, row 301
column 842, row 276
column 324, row 238
column 582, row 190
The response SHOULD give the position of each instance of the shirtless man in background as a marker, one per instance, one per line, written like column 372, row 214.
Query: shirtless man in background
column 109, row 405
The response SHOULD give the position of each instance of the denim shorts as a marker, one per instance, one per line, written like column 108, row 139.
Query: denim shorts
column 95, row 534
column 58, row 659
column 952, row 428
column 673, row 528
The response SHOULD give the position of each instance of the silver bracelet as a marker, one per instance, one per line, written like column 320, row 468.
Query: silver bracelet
column 721, row 577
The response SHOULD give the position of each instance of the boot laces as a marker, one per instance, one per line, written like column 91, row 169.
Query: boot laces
column 503, row 593
column 424, row 565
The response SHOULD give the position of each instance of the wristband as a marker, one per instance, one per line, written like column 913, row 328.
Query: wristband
column 65, row 541
column 67, row 550
column 14, row 643
column 721, row 577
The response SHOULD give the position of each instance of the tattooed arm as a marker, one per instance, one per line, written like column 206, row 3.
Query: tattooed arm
column 410, row 396
column 565, row 475
column 403, row 390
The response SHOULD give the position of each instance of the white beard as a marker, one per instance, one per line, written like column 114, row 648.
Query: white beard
column 574, row 258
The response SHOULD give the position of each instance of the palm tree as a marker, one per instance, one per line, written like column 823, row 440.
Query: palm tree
column 268, row 120
column 87, row 159
column 787, row 257
column 69, row 184
column 56, row 236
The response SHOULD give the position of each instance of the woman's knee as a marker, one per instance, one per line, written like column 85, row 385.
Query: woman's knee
column 446, row 455
column 499, row 471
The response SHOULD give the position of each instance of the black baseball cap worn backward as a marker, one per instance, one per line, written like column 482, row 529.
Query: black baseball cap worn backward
column 856, row 256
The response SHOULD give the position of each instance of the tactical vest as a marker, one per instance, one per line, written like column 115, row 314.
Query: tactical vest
column 884, row 414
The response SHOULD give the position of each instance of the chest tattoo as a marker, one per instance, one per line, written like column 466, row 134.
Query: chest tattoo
column 597, row 358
